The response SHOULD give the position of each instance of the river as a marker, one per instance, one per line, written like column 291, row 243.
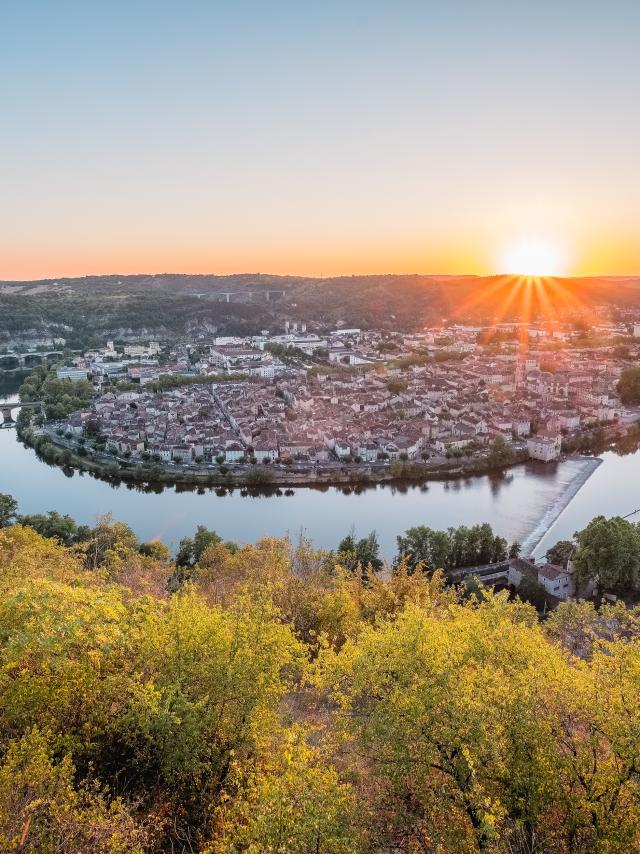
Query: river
column 533, row 503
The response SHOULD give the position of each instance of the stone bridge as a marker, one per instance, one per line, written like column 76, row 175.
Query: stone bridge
column 28, row 360
column 6, row 411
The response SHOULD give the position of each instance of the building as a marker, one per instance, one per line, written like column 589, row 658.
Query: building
column 74, row 374
column 557, row 581
column 544, row 448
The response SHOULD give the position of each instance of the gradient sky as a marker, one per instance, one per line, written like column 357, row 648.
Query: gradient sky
column 317, row 138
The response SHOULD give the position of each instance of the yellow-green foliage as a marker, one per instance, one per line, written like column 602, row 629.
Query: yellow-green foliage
column 277, row 703
column 293, row 802
column 41, row 810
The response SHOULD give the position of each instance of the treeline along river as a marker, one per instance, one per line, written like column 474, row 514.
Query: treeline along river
column 535, row 504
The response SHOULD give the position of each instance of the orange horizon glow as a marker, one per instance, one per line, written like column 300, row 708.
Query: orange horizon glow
column 278, row 141
column 16, row 266
column 344, row 255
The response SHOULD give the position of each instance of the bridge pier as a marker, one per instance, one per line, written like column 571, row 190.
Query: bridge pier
column 7, row 417
column 6, row 411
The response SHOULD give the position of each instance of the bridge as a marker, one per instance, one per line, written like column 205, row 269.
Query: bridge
column 267, row 294
column 6, row 411
column 28, row 360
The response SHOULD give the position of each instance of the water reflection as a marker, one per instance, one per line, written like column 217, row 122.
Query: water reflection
column 513, row 504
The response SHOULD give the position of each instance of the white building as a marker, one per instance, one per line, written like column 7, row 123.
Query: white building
column 558, row 581
column 544, row 448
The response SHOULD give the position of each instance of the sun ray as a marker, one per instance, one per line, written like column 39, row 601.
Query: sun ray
column 483, row 295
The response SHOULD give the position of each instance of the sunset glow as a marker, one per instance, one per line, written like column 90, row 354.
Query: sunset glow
column 533, row 257
column 286, row 146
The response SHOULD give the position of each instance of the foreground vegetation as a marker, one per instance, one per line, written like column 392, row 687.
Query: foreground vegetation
column 264, row 698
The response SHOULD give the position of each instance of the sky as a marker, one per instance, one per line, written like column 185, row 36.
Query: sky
column 318, row 138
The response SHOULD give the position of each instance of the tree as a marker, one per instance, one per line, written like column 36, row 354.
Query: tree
column 500, row 453
column 109, row 542
column 278, row 703
column 154, row 693
column 460, row 773
column 155, row 549
column 8, row 508
column 184, row 557
column 42, row 809
column 514, row 550
column 395, row 385
column 629, row 386
column 422, row 545
column 608, row 553
column 455, row 547
column 532, row 592
column 561, row 552
column 190, row 550
column 259, row 476
column 365, row 552
column 296, row 804
column 62, row 528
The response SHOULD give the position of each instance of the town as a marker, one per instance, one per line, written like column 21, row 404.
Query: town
column 303, row 399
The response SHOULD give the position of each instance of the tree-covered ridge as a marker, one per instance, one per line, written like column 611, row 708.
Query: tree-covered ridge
column 265, row 699
column 85, row 310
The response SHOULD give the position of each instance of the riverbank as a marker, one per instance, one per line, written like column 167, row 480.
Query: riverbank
column 278, row 479
column 65, row 453
column 512, row 503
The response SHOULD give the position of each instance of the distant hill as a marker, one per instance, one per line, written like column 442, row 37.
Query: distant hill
column 169, row 303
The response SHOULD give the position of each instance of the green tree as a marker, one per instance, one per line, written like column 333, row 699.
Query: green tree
column 8, row 509
column 608, row 553
column 423, row 545
column 561, row 552
column 629, row 386
column 259, row 477
column 155, row 549
column 455, row 547
column 396, row 385
column 364, row 552
column 191, row 549
column 53, row 525
column 500, row 453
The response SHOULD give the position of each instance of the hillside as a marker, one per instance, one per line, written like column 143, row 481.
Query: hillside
column 166, row 305
column 260, row 699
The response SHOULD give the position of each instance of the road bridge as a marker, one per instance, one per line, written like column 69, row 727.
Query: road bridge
column 6, row 411
column 267, row 294
column 28, row 360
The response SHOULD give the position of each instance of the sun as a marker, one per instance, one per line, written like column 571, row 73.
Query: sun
column 532, row 257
